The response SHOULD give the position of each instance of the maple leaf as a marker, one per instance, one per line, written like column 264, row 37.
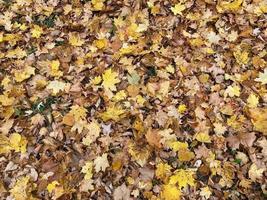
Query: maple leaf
column 79, row 125
column 36, row 31
column 5, row 100
column 96, row 80
column 121, row 95
column 78, row 112
column 219, row 128
column 15, row 142
column 24, row 74
column 262, row 77
column 139, row 155
column 16, row 53
column 259, row 119
column 203, row 137
column 153, row 138
column 182, row 108
column 51, row 186
column 56, row 86
column 75, row 40
column 87, row 169
column 54, row 64
column 122, row 193
column 255, row 173
column 253, row 101
column 98, row 4
column 101, row 43
column 68, row 119
column 6, row 126
column 183, row 178
column 205, row 192
column 21, row 190
column 178, row 8
column 93, row 133
column 241, row 57
column 112, row 113
column 163, row 170
column 101, row 163
column 213, row 37
column 232, row 91
column 229, row 6
column 185, row 155
column 177, row 146
column 110, row 79
column 246, row 139
column 170, row 192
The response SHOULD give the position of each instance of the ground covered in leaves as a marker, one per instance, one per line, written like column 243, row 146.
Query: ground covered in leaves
column 133, row 99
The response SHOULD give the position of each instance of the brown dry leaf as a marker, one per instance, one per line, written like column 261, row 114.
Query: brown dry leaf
column 68, row 119
column 122, row 193
column 246, row 139
column 37, row 119
column 153, row 138
column 6, row 126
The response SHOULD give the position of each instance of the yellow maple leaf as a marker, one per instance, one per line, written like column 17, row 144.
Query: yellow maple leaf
column 78, row 112
column 75, row 40
column 219, row 128
column 119, row 96
column 56, row 86
column 255, row 173
column 93, row 133
column 262, row 77
column 177, row 146
column 87, row 169
column 253, row 101
column 229, row 6
column 18, row 142
column 140, row 100
column 98, row 4
column 203, row 137
column 24, row 74
column 110, row 79
column 16, row 53
column 54, row 65
column 4, row 144
column 205, row 192
column 96, row 80
column 20, row 190
column 112, row 113
column 259, row 119
column 101, row 43
column 101, row 163
column 163, row 170
column 51, row 186
column 15, row 142
column 182, row 108
column 183, row 178
column 36, row 31
column 241, row 57
column 178, row 8
column 5, row 100
column 139, row 155
column 232, row 91
column 170, row 192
